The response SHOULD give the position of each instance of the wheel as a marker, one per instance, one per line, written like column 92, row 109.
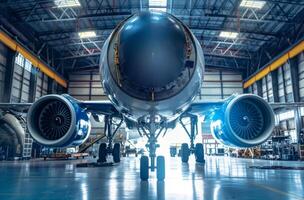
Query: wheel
column 102, row 153
column 160, row 171
column 199, row 153
column 185, row 152
column 144, row 168
column 116, row 153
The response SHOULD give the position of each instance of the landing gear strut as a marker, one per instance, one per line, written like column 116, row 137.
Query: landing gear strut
column 152, row 131
column 197, row 149
column 106, row 149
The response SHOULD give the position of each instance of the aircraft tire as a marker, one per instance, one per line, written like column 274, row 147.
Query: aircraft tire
column 102, row 153
column 116, row 153
column 185, row 152
column 160, row 171
column 199, row 153
column 144, row 168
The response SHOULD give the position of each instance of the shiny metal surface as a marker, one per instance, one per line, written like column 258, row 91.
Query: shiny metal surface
column 220, row 178
column 73, row 133
column 177, row 96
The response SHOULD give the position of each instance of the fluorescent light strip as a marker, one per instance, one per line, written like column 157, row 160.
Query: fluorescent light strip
column 158, row 5
column 253, row 4
column 67, row 3
column 227, row 34
column 87, row 34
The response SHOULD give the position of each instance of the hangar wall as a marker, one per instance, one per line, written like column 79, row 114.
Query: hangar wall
column 3, row 54
column 286, row 84
column 220, row 84
column 86, row 86
column 281, row 81
column 20, row 82
column 217, row 85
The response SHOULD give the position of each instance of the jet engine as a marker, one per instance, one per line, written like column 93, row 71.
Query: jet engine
column 243, row 121
column 58, row 121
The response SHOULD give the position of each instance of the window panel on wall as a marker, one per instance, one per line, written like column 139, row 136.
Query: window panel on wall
column 269, row 87
column 264, row 89
column 288, row 83
column 21, row 80
column 281, row 91
column 301, row 75
column 41, row 85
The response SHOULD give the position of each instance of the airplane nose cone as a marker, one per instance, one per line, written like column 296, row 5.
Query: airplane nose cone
column 151, row 58
column 152, row 50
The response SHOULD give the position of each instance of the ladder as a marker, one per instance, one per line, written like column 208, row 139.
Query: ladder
column 28, row 141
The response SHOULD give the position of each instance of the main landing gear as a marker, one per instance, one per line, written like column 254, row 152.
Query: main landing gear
column 108, row 149
column 196, row 149
column 152, row 131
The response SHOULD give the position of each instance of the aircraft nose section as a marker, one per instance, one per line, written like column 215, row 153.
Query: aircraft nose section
column 152, row 50
column 154, row 55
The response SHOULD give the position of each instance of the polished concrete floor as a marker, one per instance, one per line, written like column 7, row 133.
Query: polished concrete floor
column 221, row 178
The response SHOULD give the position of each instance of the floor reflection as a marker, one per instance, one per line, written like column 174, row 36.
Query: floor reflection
column 220, row 178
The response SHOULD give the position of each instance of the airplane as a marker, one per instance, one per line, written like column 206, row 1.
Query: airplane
column 152, row 68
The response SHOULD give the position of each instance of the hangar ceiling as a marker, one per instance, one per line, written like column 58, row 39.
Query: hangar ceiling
column 235, row 34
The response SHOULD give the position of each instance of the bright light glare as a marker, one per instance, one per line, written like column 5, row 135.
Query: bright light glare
column 231, row 35
column 252, row 4
column 158, row 5
column 87, row 34
column 67, row 3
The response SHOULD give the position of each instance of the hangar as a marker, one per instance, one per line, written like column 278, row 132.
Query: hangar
column 151, row 99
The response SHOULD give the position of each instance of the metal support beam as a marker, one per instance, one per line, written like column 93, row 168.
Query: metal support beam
column 50, row 86
column 294, row 70
column 260, row 88
column 275, row 86
column 9, row 74
column 33, row 84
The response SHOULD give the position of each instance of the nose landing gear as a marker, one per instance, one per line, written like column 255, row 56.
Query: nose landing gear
column 152, row 131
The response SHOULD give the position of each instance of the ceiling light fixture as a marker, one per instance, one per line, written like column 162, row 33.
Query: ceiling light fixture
column 67, row 3
column 253, row 4
column 87, row 34
column 228, row 34
column 158, row 5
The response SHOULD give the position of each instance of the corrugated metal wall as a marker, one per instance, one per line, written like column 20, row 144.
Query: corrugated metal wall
column 219, row 85
column 284, row 83
column 3, row 55
column 282, row 78
column 41, row 85
column 86, row 86
column 23, row 73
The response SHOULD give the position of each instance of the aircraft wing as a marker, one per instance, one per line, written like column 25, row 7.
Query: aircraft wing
column 99, row 107
column 203, row 108
column 20, row 107
column 94, row 107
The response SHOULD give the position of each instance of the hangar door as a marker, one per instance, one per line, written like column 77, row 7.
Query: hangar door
column 220, row 84
column 86, row 86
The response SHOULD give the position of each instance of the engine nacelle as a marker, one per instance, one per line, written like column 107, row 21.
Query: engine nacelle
column 243, row 121
column 58, row 121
